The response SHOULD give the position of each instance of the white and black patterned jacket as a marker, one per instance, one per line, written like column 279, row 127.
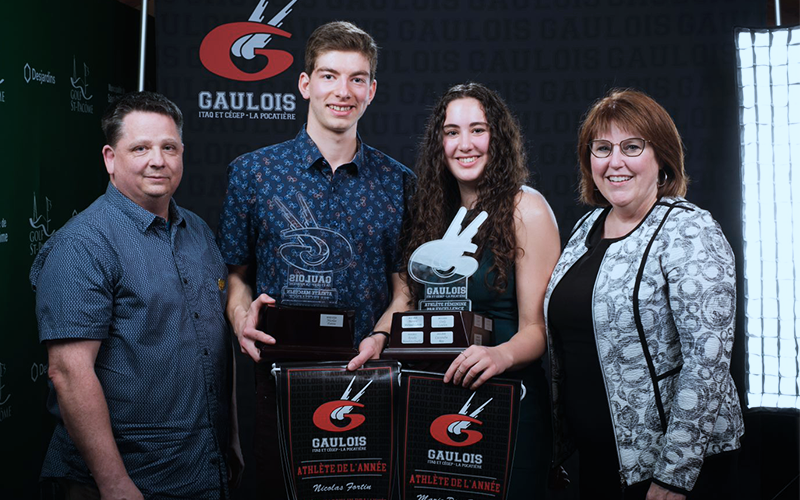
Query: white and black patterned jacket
column 663, row 307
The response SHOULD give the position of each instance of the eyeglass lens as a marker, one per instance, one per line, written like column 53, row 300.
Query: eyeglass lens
column 629, row 147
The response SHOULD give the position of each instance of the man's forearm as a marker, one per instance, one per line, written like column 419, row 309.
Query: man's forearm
column 240, row 296
column 371, row 347
column 85, row 413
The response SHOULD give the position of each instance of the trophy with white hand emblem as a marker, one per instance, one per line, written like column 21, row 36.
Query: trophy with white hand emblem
column 444, row 325
column 307, row 323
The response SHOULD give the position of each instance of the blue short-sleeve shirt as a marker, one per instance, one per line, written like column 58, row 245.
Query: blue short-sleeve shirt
column 154, row 294
column 279, row 192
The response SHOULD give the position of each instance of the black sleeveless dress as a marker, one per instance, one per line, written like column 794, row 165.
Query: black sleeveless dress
column 534, row 438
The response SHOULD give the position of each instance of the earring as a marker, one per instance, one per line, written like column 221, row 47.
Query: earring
column 660, row 182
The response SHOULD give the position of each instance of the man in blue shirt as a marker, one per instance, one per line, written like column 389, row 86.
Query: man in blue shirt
column 130, row 298
column 345, row 199
column 325, row 178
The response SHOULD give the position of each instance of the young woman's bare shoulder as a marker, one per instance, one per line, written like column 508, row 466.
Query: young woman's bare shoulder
column 532, row 205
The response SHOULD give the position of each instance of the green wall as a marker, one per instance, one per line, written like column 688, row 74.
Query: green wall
column 60, row 63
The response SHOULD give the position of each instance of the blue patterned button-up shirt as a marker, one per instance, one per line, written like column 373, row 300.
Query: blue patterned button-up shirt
column 286, row 212
column 154, row 295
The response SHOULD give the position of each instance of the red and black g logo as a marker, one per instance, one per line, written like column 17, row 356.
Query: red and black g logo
column 336, row 416
column 452, row 429
column 247, row 40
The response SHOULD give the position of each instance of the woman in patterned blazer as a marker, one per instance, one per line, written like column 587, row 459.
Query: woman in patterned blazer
column 640, row 315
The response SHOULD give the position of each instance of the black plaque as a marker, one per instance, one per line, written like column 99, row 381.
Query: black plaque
column 338, row 430
column 457, row 443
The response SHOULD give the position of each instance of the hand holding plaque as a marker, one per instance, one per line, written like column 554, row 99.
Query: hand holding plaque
column 308, row 322
column 444, row 324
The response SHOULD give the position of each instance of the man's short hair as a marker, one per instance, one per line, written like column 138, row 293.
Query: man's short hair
column 149, row 102
column 342, row 36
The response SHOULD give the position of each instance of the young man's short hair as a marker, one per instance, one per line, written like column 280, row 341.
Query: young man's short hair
column 342, row 36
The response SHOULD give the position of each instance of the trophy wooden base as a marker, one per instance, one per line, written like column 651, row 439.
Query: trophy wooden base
column 306, row 333
column 427, row 335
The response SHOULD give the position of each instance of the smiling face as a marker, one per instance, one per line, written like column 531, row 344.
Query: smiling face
column 338, row 90
column 146, row 164
column 466, row 139
column 630, row 184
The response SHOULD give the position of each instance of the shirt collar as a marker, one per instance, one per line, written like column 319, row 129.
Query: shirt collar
column 142, row 218
column 308, row 150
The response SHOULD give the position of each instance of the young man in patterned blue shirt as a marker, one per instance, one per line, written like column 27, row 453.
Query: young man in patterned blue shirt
column 330, row 179
column 325, row 181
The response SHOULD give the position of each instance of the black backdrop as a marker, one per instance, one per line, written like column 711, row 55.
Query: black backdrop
column 550, row 59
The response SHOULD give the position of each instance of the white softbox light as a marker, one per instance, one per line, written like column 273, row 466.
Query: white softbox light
column 769, row 119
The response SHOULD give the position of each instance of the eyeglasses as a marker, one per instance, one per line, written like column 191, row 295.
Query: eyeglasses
column 629, row 147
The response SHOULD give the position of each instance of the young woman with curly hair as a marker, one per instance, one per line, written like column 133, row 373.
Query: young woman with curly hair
column 473, row 156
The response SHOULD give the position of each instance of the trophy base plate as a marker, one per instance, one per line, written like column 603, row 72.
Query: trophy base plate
column 429, row 335
column 307, row 333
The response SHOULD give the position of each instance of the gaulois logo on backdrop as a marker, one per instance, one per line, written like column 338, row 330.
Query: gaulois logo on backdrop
column 452, row 429
column 247, row 40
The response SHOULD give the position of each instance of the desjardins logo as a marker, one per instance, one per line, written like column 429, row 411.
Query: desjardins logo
column 30, row 74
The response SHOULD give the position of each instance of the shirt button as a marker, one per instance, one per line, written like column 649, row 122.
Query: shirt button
column 185, row 281
column 205, row 352
column 196, row 316
column 213, row 460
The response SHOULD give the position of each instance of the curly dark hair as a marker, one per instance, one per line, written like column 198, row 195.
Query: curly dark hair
column 437, row 198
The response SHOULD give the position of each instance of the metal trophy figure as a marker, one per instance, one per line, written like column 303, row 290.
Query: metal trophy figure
column 444, row 324
column 307, row 318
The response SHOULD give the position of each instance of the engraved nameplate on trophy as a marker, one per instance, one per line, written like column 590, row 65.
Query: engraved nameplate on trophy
column 308, row 322
column 444, row 325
